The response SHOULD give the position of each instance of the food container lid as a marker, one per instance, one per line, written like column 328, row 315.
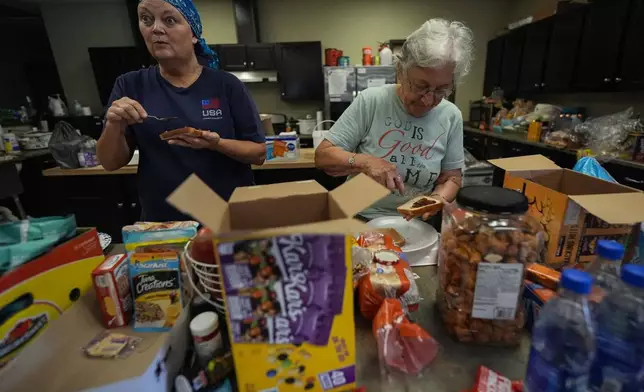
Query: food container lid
column 610, row 249
column 492, row 199
column 204, row 323
column 633, row 274
column 578, row 281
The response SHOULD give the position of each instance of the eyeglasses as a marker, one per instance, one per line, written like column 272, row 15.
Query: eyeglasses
column 423, row 91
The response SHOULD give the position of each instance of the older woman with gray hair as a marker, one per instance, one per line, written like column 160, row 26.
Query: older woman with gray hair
column 406, row 136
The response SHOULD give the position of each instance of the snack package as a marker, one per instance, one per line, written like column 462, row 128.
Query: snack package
column 490, row 381
column 543, row 275
column 402, row 345
column 151, row 237
column 112, row 285
column 156, row 286
column 389, row 276
column 111, row 345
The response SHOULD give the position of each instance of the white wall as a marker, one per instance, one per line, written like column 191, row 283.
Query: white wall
column 74, row 27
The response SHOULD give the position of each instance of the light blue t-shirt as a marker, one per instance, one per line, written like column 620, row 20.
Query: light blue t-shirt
column 377, row 124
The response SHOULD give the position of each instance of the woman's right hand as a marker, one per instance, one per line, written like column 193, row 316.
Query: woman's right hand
column 386, row 173
column 126, row 111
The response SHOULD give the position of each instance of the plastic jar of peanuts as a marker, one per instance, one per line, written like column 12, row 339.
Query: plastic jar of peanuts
column 487, row 240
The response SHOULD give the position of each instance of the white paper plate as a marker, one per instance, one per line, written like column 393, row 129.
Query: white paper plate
column 421, row 239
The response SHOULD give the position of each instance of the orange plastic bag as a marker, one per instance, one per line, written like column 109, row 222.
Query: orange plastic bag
column 389, row 276
column 402, row 345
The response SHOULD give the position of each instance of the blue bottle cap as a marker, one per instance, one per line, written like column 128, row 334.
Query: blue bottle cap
column 578, row 281
column 610, row 249
column 633, row 274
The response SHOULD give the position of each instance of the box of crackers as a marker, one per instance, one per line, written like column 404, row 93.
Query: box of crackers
column 112, row 285
column 287, row 278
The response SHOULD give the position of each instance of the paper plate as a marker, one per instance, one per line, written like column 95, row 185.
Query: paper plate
column 421, row 239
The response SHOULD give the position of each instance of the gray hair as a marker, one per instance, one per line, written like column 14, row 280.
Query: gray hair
column 437, row 43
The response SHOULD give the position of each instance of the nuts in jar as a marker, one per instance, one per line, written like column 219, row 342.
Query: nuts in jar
column 486, row 241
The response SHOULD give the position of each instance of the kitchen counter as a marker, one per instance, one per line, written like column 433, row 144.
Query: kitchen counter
column 23, row 155
column 305, row 161
column 520, row 137
column 455, row 367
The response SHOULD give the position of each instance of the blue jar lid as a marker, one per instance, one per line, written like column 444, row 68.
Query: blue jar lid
column 633, row 274
column 578, row 281
column 610, row 249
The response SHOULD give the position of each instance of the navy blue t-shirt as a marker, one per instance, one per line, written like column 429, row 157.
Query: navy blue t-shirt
column 217, row 102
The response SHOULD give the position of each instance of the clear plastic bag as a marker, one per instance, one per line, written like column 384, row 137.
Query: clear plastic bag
column 606, row 137
column 403, row 347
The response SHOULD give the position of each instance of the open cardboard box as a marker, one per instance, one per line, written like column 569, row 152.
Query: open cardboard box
column 286, row 211
column 574, row 209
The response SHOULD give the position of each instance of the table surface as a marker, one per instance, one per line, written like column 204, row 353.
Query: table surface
column 454, row 369
column 306, row 160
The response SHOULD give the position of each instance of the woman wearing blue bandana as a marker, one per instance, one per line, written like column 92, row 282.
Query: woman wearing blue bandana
column 198, row 96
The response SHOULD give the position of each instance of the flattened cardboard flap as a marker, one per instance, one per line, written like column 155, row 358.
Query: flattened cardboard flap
column 196, row 199
column 525, row 163
column 614, row 208
column 275, row 191
column 357, row 194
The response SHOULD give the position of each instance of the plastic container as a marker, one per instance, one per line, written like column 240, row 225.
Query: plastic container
column 620, row 322
column 605, row 269
column 486, row 241
column 367, row 56
column 386, row 56
column 563, row 340
column 206, row 335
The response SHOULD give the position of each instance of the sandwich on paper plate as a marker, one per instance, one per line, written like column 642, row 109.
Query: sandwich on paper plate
column 420, row 205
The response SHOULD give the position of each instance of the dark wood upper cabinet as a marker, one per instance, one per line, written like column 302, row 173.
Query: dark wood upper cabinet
column 299, row 69
column 534, row 56
column 232, row 57
column 261, row 56
column 493, row 65
column 511, row 63
column 600, row 45
column 562, row 51
column 631, row 71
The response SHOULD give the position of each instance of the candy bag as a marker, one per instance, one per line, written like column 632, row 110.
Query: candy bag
column 402, row 345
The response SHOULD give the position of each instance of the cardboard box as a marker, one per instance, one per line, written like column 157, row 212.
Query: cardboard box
column 56, row 363
column 282, row 148
column 295, row 212
column 574, row 209
column 39, row 291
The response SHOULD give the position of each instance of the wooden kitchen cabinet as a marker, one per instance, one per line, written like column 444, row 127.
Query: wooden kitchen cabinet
column 261, row 57
column 534, row 56
column 475, row 144
column 631, row 71
column 511, row 63
column 299, row 70
column 600, row 45
column 562, row 51
column 495, row 148
column 232, row 57
column 493, row 65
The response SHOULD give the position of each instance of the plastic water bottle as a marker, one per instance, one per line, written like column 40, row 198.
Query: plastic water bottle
column 619, row 365
column 605, row 270
column 563, row 340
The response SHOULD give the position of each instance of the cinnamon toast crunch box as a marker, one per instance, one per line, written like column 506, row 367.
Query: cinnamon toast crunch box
column 287, row 278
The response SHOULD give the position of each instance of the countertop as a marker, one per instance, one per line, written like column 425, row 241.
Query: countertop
column 306, row 160
column 519, row 137
column 23, row 155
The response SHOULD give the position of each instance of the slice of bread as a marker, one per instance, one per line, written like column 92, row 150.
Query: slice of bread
column 167, row 135
column 399, row 240
column 419, row 206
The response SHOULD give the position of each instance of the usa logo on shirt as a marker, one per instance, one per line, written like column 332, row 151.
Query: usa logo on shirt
column 211, row 109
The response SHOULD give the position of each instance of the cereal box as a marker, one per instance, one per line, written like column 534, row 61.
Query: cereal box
column 287, row 278
column 112, row 285
column 156, row 287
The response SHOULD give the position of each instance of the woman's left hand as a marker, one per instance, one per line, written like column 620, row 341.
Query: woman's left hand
column 428, row 215
column 207, row 140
